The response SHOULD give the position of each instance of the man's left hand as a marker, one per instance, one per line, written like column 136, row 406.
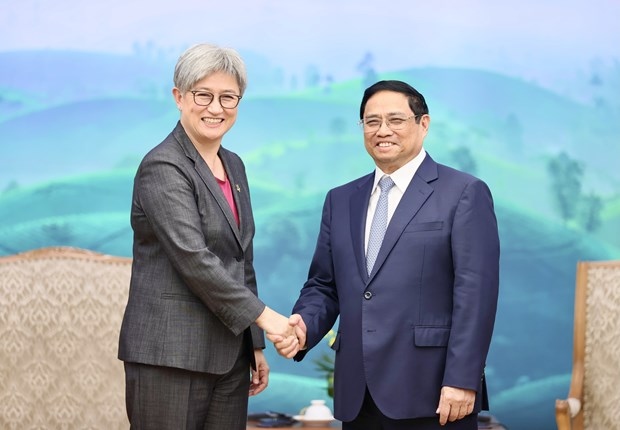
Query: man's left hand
column 455, row 404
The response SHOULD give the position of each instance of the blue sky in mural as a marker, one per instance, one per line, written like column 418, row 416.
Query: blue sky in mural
column 522, row 94
column 550, row 42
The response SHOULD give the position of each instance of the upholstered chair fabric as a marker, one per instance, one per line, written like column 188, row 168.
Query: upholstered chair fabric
column 601, row 395
column 60, row 315
column 594, row 393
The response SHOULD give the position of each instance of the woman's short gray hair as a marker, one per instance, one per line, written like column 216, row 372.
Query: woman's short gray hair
column 202, row 60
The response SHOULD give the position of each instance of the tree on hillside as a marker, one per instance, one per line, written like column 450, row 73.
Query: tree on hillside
column 566, row 181
column 603, row 83
column 13, row 185
column 329, row 81
column 293, row 82
column 312, row 76
column 590, row 213
column 464, row 160
column 514, row 132
column 366, row 67
column 59, row 233
column 338, row 126
column 279, row 77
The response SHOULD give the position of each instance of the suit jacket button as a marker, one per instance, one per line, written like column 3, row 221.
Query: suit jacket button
column 367, row 295
column 239, row 258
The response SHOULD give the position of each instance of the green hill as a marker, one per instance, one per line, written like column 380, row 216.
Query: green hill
column 299, row 145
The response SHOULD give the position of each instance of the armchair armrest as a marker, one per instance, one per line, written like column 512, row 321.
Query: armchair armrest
column 569, row 408
column 565, row 411
column 574, row 406
column 562, row 415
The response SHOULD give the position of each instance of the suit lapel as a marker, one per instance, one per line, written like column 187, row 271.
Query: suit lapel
column 359, row 209
column 240, row 192
column 214, row 188
column 413, row 199
column 209, row 180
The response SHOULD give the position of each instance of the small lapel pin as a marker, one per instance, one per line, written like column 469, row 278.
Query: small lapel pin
column 238, row 188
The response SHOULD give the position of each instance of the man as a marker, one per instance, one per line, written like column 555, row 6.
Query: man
column 416, row 307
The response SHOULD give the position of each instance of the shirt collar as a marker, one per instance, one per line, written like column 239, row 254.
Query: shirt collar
column 403, row 176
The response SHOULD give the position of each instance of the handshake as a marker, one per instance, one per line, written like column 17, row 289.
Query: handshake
column 287, row 334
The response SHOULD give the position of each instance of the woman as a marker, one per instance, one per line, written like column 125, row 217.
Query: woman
column 192, row 326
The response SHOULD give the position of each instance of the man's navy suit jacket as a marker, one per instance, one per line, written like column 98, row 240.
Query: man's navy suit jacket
column 424, row 317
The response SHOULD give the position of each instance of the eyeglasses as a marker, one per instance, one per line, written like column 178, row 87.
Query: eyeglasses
column 372, row 125
column 204, row 98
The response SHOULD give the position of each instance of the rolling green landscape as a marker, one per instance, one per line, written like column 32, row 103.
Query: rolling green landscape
column 67, row 178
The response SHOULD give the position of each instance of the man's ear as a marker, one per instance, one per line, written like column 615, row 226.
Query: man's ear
column 425, row 121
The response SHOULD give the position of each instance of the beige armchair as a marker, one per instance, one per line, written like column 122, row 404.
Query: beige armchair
column 593, row 401
column 60, row 314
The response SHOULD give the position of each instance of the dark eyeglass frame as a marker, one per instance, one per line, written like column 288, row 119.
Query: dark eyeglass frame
column 233, row 97
column 388, row 121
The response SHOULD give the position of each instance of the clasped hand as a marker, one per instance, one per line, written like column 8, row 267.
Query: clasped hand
column 290, row 337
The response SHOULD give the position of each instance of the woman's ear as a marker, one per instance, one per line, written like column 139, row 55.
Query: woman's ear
column 178, row 97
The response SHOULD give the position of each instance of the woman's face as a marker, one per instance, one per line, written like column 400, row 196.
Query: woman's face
column 206, row 125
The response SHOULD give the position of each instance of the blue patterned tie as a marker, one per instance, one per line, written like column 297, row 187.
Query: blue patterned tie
column 379, row 223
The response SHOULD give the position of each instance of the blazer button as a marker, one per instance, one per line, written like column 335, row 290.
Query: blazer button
column 367, row 295
column 239, row 258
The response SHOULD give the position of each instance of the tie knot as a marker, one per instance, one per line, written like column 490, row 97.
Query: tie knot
column 385, row 184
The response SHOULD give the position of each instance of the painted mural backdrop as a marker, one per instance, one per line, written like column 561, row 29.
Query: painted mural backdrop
column 523, row 95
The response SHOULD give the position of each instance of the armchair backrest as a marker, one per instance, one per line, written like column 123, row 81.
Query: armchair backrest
column 60, row 315
column 597, row 336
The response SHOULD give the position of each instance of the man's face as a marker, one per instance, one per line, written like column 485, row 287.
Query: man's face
column 392, row 149
column 207, row 124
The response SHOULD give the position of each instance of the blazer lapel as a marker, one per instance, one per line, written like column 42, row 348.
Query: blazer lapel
column 359, row 209
column 239, row 187
column 209, row 180
column 413, row 199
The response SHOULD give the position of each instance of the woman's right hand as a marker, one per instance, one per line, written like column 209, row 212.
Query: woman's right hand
column 279, row 331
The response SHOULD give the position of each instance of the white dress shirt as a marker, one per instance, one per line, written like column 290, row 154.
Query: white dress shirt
column 401, row 177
